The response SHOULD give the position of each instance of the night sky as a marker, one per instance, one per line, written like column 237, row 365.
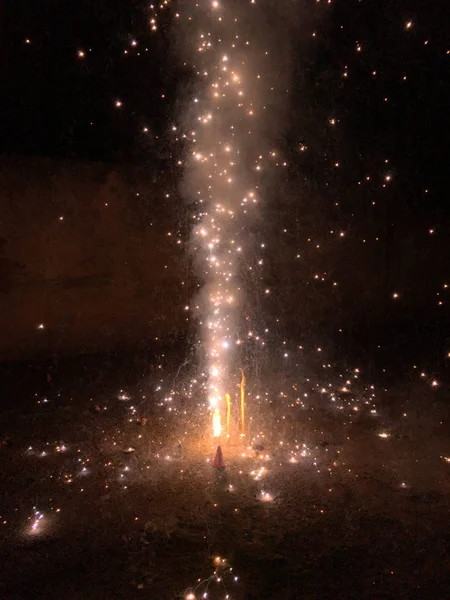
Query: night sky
column 363, row 201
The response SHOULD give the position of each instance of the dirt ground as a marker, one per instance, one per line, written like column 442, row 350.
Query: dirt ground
column 95, row 504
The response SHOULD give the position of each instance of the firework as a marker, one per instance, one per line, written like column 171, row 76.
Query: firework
column 230, row 149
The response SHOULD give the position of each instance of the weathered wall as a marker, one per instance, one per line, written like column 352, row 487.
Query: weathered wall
column 86, row 256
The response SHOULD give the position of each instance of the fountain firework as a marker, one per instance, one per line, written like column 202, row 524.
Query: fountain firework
column 235, row 50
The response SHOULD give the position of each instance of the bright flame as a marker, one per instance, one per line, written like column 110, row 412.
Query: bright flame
column 242, row 402
column 227, row 400
column 217, row 423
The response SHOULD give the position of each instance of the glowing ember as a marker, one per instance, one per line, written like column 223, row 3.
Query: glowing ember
column 266, row 497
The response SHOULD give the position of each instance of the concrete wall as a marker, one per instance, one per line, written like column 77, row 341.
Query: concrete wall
column 83, row 254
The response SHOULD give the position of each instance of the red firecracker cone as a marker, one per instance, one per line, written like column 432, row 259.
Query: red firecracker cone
column 218, row 460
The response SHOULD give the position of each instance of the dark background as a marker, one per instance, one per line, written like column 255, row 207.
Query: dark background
column 110, row 276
